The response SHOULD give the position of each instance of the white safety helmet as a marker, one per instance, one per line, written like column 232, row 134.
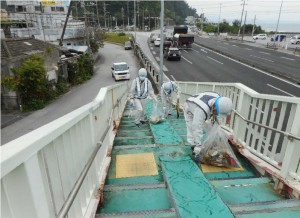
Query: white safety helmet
column 142, row 74
column 223, row 105
column 167, row 87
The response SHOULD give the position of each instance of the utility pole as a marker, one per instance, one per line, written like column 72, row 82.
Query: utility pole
column 219, row 20
column 253, row 29
column 122, row 10
column 244, row 26
column 241, row 18
column 97, row 14
column 128, row 13
column 138, row 12
column 162, row 9
column 104, row 11
column 278, row 20
column 134, row 20
column 202, row 19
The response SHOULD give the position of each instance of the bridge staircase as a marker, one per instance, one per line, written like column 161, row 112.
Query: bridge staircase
column 153, row 174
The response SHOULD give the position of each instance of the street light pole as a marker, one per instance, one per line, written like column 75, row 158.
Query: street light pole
column 278, row 20
column 241, row 19
column 219, row 20
column 134, row 21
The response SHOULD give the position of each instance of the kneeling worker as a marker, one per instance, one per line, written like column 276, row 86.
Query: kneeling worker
column 199, row 108
column 167, row 90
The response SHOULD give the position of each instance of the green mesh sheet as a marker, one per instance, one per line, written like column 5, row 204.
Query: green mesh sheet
column 248, row 194
column 135, row 200
column 192, row 193
column 163, row 132
column 288, row 213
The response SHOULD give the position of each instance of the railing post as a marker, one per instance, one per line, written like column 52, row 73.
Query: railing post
column 292, row 155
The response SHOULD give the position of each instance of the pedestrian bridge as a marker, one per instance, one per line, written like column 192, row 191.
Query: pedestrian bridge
column 94, row 162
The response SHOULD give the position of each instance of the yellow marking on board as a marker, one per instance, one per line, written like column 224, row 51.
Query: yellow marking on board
column 213, row 169
column 134, row 165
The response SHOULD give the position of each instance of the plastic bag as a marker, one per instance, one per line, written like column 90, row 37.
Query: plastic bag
column 157, row 115
column 216, row 150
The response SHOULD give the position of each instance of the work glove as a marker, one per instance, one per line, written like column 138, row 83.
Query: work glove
column 197, row 149
column 131, row 103
column 196, row 152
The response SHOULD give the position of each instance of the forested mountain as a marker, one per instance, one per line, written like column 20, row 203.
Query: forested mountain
column 119, row 12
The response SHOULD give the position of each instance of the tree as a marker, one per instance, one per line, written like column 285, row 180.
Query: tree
column 97, row 41
column 31, row 83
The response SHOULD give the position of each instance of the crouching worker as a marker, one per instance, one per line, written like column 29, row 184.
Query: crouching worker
column 167, row 90
column 199, row 108
column 141, row 88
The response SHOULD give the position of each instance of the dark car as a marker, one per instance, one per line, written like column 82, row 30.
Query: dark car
column 127, row 45
column 279, row 38
column 172, row 53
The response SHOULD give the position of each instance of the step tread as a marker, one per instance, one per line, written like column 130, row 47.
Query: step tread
column 146, row 213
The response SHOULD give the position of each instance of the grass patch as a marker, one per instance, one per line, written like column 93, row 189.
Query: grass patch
column 117, row 37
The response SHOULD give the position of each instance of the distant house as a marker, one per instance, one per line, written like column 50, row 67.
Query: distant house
column 14, row 51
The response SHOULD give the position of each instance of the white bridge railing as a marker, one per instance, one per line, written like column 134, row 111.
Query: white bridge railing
column 49, row 171
column 58, row 169
column 267, row 126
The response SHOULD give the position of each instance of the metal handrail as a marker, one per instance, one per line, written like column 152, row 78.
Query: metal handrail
column 290, row 136
column 68, row 203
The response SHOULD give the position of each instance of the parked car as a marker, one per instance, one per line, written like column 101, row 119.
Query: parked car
column 157, row 42
column 127, row 45
column 260, row 36
column 172, row 53
column 295, row 39
column 279, row 37
column 120, row 71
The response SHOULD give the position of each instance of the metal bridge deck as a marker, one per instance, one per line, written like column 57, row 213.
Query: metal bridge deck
column 180, row 188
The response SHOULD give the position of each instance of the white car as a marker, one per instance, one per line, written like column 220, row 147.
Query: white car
column 260, row 36
column 295, row 39
column 120, row 71
column 157, row 42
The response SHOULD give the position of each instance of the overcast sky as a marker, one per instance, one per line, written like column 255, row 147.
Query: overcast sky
column 266, row 11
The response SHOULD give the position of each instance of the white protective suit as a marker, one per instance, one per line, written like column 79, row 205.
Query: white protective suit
column 167, row 90
column 139, row 91
column 198, row 108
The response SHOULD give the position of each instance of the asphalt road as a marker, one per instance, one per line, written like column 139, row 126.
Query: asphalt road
column 268, row 59
column 206, row 65
column 77, row 96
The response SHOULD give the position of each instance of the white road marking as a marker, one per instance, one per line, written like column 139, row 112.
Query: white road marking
column 173, row 77
column 264, row 52
column 226, row 43
column 157, row 58
column 195, row 50
column 235, row 45
column 151, row 48
column 214, row 60
column 203, row 51
column 262, row 58
column 288, row 58
column 246, row 65
column 154, row 52
column 248, row 49
column 186, row 60
column 281, row 90
column 184, row 51
column 165, row 69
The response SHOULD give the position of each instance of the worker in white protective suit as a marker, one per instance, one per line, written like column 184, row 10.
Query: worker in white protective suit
column 141, row 88
column 167, row 90
column 199, row 108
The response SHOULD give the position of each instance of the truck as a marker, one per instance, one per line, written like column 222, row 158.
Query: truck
column 181, row 38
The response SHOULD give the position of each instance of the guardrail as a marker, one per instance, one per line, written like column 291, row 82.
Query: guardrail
column 51, row 172
column 266, row 125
